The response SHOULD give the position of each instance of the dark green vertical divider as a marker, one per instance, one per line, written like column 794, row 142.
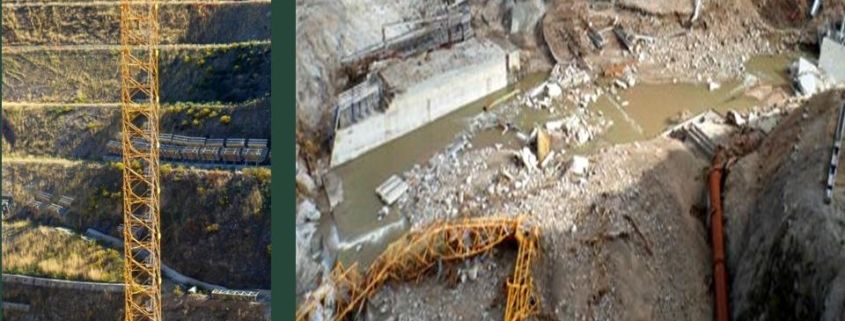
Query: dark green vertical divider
column 283, row 93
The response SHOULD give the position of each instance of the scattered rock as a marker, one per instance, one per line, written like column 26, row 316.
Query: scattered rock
column 712, row 85
column 543, row 145
column 734, row 118
column 306, row 211
column 579, row 165
column 527, row 158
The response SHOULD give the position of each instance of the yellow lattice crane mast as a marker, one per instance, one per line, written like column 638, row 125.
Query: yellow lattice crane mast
column 139, row 37
column 411, row 256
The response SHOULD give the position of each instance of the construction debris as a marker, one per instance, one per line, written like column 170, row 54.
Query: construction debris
column 392, row 189
column 528, row 159
column 623, row 37
column 705, row 131
column 806, row 77
column 579, row 165
column 543, row 145
column 411, row 256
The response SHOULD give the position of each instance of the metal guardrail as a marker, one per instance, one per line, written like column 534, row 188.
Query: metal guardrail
column 238, row 295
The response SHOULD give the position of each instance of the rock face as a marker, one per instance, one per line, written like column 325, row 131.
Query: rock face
column 525, row 14
column 785, row 254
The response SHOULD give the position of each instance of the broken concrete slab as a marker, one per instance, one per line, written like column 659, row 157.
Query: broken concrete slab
column 392, row 189
column 734, row 118
column 806, row 77
column 527, row 158
column 579, row 165
column 831, row 59
column 306, row 211
column 553, row 90
column 705, row 131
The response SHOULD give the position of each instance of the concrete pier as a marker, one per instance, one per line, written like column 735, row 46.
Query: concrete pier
column 832, row 57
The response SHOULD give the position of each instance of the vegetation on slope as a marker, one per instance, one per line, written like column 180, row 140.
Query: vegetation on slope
column 229, row 73
column 180, row 23
column 30, row 249
column 215, row 224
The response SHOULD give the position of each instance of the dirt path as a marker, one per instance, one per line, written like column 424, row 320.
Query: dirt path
column 21, row 49
column 116, row 3
column 40, row 160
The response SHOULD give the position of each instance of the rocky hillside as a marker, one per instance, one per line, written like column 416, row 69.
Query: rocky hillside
column 28, row 23
column 215, row 224
column 224, row 73
column 43, row 131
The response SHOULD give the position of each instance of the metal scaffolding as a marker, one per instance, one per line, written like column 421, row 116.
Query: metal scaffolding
column 411, row 256
column 140, row 122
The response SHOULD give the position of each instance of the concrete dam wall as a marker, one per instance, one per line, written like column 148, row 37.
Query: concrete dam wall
column 425, row 88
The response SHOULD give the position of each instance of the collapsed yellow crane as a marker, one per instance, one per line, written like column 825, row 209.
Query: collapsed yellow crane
column 411, row 256
column 139, row 37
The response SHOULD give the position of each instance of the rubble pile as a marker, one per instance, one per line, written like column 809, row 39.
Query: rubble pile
column 708, row 55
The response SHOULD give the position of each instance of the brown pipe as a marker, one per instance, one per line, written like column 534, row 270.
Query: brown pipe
column 717, row 234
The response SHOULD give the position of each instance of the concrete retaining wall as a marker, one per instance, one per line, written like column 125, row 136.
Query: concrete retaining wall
column 62, row 284
column 165, row 270
column 421, row 104
column 832, row 59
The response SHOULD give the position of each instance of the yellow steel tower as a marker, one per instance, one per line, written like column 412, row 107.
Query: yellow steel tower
column 139, row 31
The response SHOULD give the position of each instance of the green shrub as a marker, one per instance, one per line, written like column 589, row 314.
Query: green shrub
column 178, row 292
column 213, row 228
column 118, row 166
column 263, row 175
column 165, row 169
column 225, row 119
column 92, row 126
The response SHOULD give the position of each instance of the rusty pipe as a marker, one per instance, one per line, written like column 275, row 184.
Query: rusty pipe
column 720, row 276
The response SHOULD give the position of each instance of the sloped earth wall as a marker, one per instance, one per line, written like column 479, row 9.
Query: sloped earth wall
column 786, row 257
column 230, row 73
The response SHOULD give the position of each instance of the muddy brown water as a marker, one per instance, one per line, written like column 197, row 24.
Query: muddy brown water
column 650, row 109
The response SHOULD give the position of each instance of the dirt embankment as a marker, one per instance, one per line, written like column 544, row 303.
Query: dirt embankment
column 215, row 224
column 785, row 253
column 44, row 131
column 70, row 304
column 99, row 24
column 232, row 73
